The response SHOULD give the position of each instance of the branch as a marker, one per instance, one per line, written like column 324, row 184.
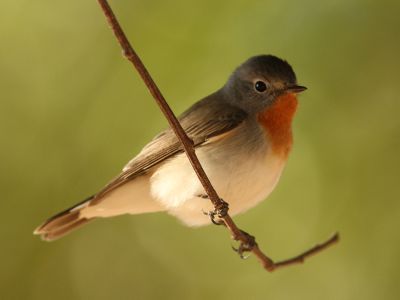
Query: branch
column 246, row 241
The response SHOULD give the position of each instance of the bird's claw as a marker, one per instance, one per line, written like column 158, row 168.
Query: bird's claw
column 212, row 214
column 245, row 246
column 219, row 212
column 240, row 252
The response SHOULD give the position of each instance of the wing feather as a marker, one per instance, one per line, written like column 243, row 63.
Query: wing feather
column 206, row 119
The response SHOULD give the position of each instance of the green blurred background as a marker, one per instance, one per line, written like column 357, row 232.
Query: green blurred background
column 73, row 111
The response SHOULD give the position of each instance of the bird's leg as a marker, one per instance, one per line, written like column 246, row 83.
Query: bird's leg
column 245, row 246
column 247, row 242
column 220, row 211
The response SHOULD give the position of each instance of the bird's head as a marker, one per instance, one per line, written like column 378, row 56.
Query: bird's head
column 258, row 82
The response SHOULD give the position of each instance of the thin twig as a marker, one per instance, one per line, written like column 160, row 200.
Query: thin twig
column 187, row 143
column 247, row 242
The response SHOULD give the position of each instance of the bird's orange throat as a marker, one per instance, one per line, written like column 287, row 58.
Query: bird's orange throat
column 277, row 122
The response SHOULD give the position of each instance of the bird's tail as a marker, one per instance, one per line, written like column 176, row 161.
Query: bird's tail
column 63, row 222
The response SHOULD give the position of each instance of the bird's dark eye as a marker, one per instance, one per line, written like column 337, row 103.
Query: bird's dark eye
column 260, row 86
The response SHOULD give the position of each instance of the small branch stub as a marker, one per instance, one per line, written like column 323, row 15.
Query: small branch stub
column 247, row 242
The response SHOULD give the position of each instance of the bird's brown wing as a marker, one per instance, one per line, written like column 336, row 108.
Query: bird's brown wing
column 206, row 119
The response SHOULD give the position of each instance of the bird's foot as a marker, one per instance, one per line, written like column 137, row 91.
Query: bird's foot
column 246, row 245
column 217, row 215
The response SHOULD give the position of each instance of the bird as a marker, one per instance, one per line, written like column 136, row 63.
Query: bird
column 242, row 135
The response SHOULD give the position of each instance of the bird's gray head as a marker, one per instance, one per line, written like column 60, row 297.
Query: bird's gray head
column 259, row 81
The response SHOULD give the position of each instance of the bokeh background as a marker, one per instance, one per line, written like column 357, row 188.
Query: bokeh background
column 73, row 111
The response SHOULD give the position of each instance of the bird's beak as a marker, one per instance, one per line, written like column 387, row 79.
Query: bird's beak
column 295, row 89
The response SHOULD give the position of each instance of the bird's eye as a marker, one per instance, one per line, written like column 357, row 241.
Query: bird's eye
column 260, row 86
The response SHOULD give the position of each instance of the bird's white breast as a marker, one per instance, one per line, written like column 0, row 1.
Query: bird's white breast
column 242, row 177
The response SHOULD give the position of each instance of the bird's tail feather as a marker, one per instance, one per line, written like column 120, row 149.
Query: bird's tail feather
column 63, row 222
